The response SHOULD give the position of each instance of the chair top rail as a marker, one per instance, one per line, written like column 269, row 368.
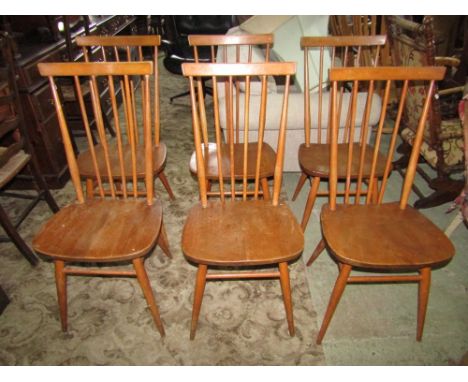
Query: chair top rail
column 95, row 68
column 388, row 73
column 252, row 69
column 342, row 41
column 146, row 40
column 253, row 39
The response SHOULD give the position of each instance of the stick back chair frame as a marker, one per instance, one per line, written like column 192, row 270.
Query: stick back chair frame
column 250, row 228
column 381, row 236
column 117, row 226
column 18, row 155
column 313, row 157
column 239, row 44
column 131, row 49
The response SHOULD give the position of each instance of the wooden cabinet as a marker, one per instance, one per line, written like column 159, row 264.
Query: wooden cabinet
column 36, row 97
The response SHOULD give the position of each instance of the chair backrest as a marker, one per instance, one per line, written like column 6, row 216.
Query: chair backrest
column 382, row 147
column 230, row 49
column 127, row 49
column 230, row 72
column 109, row 156
column 340, row 51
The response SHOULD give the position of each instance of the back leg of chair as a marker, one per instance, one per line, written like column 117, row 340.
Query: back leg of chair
column 16, row 238
column 299, row 186
column 317, row 251
column 310, row 202
column 163, row 242
column 265, row 189
column 167, row 186
column 41, row 183
column 198, row 297
column 142, row 277
column 335, row 297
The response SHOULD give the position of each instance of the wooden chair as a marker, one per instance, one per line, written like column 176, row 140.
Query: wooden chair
column 386, row 237
column 253, row 232
column 122, row 227
column 413, row 44
column 16, row 154
column 234, row 49
column 313, row 156
column 130, row 49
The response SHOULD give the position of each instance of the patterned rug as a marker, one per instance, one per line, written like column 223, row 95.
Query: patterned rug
column 241, row 322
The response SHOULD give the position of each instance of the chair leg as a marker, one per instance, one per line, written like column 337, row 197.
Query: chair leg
column 40, row 181
column 90, row 188
column 340, row 285
column 148, row 292
column 317, row 251
column 163, row 242
column 423, row 297
column 16, row 238
column 61, row 283
column 310, row 202
column 198, row 297
column 299, row 186
column 286, row 289
column 167, row 186
column 265, row 189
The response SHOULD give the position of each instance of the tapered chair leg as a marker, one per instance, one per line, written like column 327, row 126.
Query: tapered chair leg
column 423, row 297
column 310, row 202
column 317, row 251
column 90, row 188
column 148, row 292
column 198, row 297
column 335, row 297
column 299, row 186
column 167, row 186
column 16, row 238
column 163, row 242
column 61, row 283
column 286, row 289
column 265, row 189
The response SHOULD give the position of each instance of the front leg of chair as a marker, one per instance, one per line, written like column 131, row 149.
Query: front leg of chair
column 286, row 289
column 198, row 297
column 310, row 202
column 423, row 297
column 167, row 186
column 299, row 186
column 61, row 283
column 265, row 189
column 142, row 277
column 335, row 297
column 163, row 242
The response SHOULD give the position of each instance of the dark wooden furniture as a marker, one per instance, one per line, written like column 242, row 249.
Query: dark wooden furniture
column 233, row 49
column 106, row 230
column 16, row 154
column 380, row 237
column 37, row 100
column 414, row 44
column 343, row 51
column 129, row 49
column 254, row 232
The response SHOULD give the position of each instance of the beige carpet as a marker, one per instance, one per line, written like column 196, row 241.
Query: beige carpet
column 241, row 322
